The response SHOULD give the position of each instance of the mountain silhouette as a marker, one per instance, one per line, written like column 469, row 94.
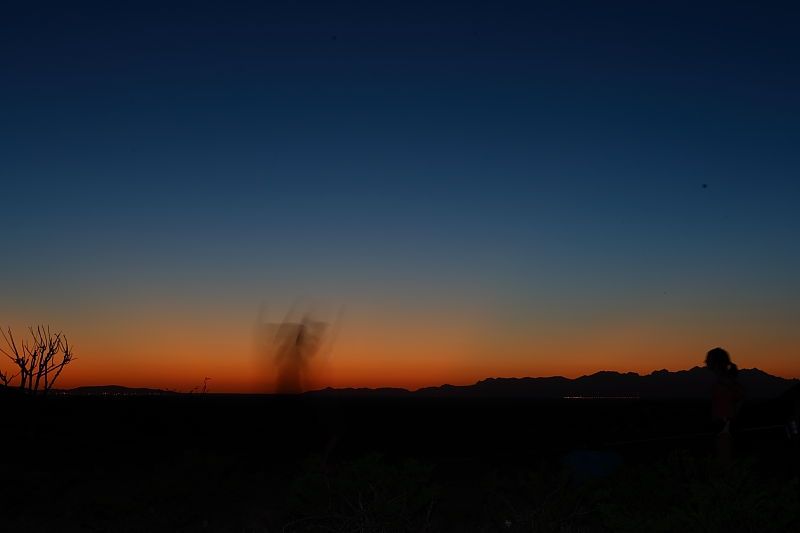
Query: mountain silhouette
column 115, row 390
column 659, row 384
column 663, row 384
column 362, row 391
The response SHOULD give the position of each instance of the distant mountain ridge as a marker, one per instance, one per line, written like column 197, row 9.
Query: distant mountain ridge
column 115, row 390
column 663, row 384
column 659, row 384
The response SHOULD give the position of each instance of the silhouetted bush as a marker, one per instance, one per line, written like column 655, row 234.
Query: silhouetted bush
column 39, row 360
column 682, row 493
column 369, row 494
column 540, row 498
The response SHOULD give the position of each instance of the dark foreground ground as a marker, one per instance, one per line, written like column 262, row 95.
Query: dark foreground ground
column 256, row 464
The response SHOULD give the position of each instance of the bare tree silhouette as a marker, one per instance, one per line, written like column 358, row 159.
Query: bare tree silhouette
column 202, row 389
column 39, row 360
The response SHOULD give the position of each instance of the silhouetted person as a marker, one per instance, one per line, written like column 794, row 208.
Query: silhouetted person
column 792, row 399
column 727, row 396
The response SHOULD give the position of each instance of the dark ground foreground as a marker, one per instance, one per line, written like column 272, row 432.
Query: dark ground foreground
column 254, row 464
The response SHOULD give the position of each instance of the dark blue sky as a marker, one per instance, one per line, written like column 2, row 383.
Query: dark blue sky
column 549, row 158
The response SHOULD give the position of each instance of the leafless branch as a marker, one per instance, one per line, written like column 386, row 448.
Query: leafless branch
column 40, row 360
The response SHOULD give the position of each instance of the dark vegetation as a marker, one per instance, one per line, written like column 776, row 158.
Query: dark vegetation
column 303, row 463
column 38, row 360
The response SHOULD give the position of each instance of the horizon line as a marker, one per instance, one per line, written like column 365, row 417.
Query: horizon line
column 376, row 388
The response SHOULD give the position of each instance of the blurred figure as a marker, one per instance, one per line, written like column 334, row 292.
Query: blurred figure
column 727, row 396
column 294, row 350
column 295, row 344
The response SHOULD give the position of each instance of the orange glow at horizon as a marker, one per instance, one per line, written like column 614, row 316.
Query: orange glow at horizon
column 240, row 380
column 412, row 356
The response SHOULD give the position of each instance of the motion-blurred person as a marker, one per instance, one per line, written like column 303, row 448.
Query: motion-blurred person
column 295, row 352
column 295, row 345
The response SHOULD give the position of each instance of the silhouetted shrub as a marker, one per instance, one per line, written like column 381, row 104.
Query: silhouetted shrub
column 369, row 494
column 539, row 498
column 39, row 360
column 685, row 494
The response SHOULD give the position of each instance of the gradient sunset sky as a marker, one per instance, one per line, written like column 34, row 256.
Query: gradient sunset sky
column 466, row 189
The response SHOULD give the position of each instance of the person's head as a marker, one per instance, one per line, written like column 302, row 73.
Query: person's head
column 719, row 362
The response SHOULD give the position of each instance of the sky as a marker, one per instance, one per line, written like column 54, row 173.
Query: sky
column 458, row 189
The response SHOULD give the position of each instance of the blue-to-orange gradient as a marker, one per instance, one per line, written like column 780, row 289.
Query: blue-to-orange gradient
column 465, row 189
